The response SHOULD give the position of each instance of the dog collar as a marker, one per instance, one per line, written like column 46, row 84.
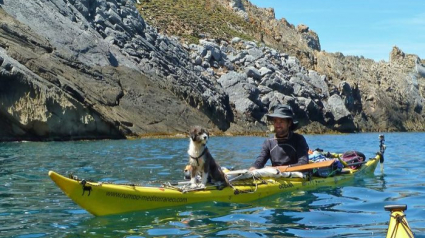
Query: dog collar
column 196, row 158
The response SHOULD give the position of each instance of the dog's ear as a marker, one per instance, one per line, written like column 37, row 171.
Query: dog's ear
column 192, row 133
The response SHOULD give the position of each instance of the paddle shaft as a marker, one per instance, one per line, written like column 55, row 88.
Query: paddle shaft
column 303, row 167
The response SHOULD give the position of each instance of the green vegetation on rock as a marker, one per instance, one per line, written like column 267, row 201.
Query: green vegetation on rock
column 193, row 19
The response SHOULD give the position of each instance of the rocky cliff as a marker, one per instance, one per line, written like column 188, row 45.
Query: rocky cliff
column 96, row 69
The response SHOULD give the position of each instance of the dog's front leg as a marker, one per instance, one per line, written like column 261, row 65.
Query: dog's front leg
column 193, row 179
column 204, row 178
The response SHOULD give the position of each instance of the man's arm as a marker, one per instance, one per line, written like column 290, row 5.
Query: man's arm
column 263, row 157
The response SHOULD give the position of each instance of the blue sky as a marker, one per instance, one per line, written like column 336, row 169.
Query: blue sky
column 368, row 28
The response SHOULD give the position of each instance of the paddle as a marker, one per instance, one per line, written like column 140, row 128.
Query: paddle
column 303, row 167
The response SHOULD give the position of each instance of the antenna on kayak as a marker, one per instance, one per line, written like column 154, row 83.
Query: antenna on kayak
column 382, row 148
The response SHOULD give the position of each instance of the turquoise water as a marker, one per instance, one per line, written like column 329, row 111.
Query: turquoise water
column 32, row 206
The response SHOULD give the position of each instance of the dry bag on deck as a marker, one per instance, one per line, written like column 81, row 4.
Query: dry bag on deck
column 329, row 171
column 354, row 158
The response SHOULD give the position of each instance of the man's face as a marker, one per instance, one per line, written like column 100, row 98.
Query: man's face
column 281, row 126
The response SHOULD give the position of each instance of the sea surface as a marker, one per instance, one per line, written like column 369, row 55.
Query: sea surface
column 31, row 205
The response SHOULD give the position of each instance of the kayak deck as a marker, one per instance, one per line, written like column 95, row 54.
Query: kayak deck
column 105, row 199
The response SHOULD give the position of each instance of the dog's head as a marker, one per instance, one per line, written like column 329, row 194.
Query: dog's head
column 199, row 135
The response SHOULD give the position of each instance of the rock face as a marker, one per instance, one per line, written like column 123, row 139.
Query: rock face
column 381, row 96
column 95, row 69
column 81, row 70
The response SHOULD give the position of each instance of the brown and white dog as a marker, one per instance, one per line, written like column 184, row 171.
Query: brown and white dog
column 200, row 159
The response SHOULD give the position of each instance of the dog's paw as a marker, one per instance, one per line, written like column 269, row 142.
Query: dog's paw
column 197, row 186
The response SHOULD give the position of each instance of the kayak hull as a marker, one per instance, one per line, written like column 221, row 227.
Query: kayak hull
column 106, row 199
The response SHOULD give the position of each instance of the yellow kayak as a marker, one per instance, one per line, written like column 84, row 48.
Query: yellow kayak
column 398, row 226
column 105, row 199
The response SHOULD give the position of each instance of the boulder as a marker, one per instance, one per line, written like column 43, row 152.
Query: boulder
column 336, row 106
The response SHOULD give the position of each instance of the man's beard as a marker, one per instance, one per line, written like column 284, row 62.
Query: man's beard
column 282, row 133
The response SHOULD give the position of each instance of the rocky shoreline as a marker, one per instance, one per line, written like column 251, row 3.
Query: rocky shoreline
column 73, row 70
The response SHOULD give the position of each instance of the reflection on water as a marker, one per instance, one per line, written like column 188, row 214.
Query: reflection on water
column 32, row 206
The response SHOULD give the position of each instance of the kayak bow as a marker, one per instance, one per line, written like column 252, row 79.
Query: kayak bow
column 398, row 226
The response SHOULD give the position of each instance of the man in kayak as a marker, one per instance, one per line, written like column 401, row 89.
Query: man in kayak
column 287, row 147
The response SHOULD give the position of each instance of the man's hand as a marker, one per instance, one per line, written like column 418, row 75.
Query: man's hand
column 252, row 168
